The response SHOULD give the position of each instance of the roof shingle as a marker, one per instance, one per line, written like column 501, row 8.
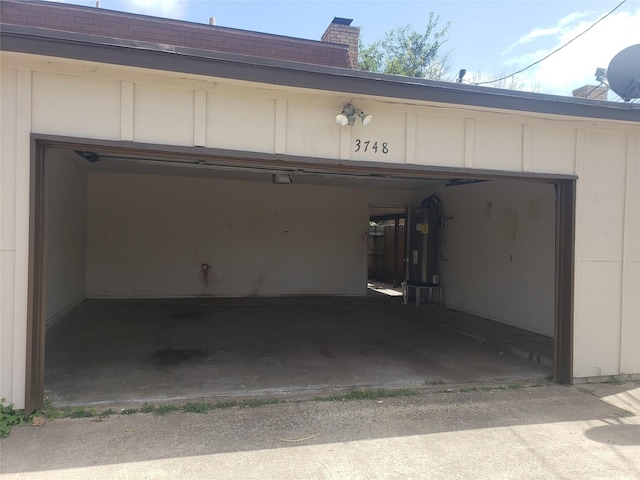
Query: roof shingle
column 96, row 21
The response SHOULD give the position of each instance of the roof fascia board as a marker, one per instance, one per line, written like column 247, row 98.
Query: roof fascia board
column 131, row 53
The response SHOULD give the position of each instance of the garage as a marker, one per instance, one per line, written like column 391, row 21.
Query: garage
column 206, row 211
column 177, row 277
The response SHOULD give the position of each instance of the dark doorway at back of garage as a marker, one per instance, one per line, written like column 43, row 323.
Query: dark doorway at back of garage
column 133, row 351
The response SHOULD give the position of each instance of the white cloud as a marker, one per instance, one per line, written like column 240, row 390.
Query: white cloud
column 161, row 8
column 563, row 25
column 574, row 65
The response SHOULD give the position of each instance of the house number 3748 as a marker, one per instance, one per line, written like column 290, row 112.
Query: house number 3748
column 371, row 145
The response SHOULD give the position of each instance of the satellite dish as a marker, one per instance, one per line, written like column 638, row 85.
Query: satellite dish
column 624, row 73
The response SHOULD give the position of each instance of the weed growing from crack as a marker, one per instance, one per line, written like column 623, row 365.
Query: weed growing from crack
column 613, row 380
column 258, row 402
column 198, row 407
column 80, row 412
column 369, row 395
column 9, row 417
column 511, row 386
column 165, row 409
column 147, row 408
column 250, row 403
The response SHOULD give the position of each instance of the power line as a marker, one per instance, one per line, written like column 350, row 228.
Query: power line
column 556, row 50
column 588, row 95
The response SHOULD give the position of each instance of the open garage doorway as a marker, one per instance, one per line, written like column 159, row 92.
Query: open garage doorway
column 386, row 249
column 211, row 248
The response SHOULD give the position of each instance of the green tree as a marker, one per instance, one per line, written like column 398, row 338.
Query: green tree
column 403, row 51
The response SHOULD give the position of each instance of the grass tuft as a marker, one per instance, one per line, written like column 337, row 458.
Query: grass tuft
column 258, row 402
column 613, row 380
column 198, row 407
column 369, row 395
column 512, row 386
column 165, row 409
column 80, row 412
column 10, row 417
column 147, row 408
column 250, row 403
column 106, row 413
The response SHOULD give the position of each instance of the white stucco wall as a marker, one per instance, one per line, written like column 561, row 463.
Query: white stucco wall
column 499, row 247
column 149, row 235
column 66, row 232
column 81, row 99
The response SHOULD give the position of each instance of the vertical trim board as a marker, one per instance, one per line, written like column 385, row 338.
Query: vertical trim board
column 469, row 142
column 345, row 143
column 200, row 118
column 526, row 147
column 280, row 142
column 126, row 111
column 21, row 299
column 411, row 138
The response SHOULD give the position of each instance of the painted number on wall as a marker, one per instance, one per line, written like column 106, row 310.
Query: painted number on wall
column 371, row 146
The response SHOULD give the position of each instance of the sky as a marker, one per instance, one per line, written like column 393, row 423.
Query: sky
column 489, row 39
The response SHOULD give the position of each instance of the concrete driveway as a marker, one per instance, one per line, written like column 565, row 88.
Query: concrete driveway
column 550, row 431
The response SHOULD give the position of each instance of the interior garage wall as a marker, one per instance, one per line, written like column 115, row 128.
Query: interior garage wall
column 499, row 247
column 66, row 200
column 151, row 235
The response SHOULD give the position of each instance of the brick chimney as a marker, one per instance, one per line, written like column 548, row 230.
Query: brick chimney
column 341, row 31
column 594, row 92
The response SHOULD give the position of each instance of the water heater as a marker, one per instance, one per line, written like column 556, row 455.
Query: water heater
column 424, row 243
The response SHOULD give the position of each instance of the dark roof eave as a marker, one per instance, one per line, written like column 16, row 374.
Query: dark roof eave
column 39, row 41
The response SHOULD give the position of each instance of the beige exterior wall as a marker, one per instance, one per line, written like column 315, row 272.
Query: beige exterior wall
column 80, row 99
column 14, row 229
column 607, row 306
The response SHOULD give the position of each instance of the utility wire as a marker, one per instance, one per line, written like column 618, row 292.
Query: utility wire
column 594, row 89
column 556, row 50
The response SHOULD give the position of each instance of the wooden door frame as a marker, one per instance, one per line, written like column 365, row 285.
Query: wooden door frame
column 564, row 281
column 37, row 291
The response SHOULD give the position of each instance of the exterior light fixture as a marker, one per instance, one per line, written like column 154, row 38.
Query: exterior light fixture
column 348, row 116
column 366, row 118
column 282, row 178
column 601, row 74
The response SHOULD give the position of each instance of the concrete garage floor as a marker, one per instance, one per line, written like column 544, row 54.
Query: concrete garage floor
column 128, row 351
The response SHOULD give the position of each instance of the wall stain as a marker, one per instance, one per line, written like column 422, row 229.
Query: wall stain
column 488, row 205
column 256, row 291
column 204, row 275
